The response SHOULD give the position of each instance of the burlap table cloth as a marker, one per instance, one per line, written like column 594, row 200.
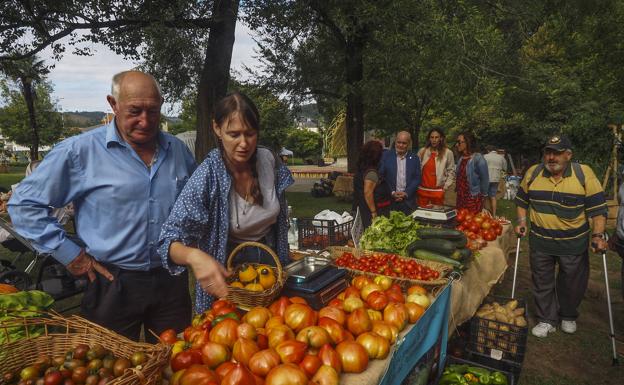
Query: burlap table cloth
column 466, row 296
column 477, row 281
column 343, row 186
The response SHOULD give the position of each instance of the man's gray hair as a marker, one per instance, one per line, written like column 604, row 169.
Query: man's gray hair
column 118, row 78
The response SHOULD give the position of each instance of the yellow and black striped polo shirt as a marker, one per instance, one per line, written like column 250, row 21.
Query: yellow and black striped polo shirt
column 559, row 209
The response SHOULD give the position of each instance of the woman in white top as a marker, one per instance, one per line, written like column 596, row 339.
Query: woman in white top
column 437, row 165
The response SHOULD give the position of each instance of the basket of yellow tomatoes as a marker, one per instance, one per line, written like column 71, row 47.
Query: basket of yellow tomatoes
column 254, row 284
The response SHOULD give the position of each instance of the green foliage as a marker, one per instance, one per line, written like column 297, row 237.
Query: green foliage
column 14, row 121
column 303, row 143
column 275, row 115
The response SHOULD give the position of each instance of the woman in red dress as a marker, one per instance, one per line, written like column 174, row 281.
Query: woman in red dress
column 472, row 179
column 437, row 169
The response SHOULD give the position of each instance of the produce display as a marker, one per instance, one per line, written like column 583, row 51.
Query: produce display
column 479, row 228
column 89, row 365
column 252, row 278
column 501, row 327
column 441, row 245
column 392, row 265
column 391, row 234
column 457, row 374
column 290, row 343
column 22, row 304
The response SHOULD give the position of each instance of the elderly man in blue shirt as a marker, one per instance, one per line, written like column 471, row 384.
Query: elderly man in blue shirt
column 123, row 179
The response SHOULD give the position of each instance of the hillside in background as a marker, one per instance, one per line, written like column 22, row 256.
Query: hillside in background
column 307, row 111
column 82, row 118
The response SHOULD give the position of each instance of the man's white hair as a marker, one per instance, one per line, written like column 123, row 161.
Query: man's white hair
column 118, row 79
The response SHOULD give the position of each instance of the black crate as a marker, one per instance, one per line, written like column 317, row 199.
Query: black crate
column 501, row 365
column 498, row 340
column 450, row 360
column 321, row 233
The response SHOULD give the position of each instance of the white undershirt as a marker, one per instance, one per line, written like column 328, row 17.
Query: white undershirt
column 253, row 221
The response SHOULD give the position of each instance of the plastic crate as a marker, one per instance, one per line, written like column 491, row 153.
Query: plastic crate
column 498, row 340
column 322, row 233
column 450, row 360
column 514, row 368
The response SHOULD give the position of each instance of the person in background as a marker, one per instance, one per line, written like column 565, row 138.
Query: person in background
column 237, row 194
column 437, row 169
column 497, row 166
column 563, row 198
column 400, row 168
column 616, row 241
column 371, row 194
column 472, row 179
column 123, row 179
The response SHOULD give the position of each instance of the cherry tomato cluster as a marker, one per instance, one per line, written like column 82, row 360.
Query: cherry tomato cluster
column 391, row 265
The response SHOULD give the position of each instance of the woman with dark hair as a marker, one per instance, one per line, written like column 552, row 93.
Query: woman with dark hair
column 472, row 174
column 370, row 193
column 437, row 169
column 237, row 194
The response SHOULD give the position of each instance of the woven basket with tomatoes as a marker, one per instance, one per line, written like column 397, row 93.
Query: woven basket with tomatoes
column 405, row 271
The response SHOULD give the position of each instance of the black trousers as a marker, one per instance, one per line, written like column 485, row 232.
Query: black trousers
column 155, row 299
column 557, row 295
column 619, row 248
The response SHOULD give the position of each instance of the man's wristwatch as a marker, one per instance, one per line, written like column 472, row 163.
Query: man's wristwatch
column 599, row 235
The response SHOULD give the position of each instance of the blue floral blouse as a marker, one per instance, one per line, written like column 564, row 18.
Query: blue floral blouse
column 200, row 216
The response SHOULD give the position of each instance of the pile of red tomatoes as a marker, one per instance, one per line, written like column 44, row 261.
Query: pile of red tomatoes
column 478, row 226
column 391, row 265
column 290, row 343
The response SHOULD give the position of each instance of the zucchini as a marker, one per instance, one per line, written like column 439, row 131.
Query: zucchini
column 440, row 246
column 460, row 242
column 439, row 233
column 462, row 255
column 431, row 256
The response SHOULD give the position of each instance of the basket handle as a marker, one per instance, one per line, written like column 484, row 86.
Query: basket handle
column 259, row 245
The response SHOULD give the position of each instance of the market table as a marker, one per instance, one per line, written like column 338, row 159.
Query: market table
column 412, row 344
column 484, row 272
column 343, row 186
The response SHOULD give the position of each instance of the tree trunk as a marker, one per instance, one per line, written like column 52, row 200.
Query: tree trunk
column 215, row 76
column 27, row 91
column 355, row 104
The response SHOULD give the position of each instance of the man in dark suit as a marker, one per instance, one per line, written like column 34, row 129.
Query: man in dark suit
column 401, row 170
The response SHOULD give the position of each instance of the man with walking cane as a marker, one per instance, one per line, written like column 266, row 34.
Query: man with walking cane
column 562, row 198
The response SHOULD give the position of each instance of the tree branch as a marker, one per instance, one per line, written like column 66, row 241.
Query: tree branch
column 71, row 27
column 324, row 19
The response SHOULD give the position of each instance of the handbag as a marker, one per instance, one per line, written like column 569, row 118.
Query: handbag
column 382, row 194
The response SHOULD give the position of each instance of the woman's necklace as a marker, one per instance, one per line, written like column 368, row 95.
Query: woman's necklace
column 245, row 207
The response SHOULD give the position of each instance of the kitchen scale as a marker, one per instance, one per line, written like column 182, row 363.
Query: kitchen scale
column 314, row 279
column 435, row 214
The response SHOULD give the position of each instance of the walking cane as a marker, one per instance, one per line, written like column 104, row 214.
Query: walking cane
column 513, row 287
column 612, row 329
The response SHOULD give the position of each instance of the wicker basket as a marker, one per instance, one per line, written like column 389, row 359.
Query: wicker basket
column 64, row 334
column 247, row 299
column 442, row 268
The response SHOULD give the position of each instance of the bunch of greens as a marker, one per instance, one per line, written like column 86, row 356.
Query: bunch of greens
column 390, row 234
column 15, row 306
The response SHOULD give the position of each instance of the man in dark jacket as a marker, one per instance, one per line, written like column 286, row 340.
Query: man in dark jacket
column 400, row 168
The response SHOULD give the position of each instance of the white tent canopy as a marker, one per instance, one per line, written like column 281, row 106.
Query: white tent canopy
column 286, row 152
column 188, row 138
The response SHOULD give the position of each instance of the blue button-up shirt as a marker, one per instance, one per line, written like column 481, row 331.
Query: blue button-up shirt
column 120, row 204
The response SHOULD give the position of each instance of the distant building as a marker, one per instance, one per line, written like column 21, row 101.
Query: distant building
column 307, row 124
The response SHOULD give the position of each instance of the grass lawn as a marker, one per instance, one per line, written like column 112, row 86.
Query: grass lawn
column 15, row 175
column 306, row 206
